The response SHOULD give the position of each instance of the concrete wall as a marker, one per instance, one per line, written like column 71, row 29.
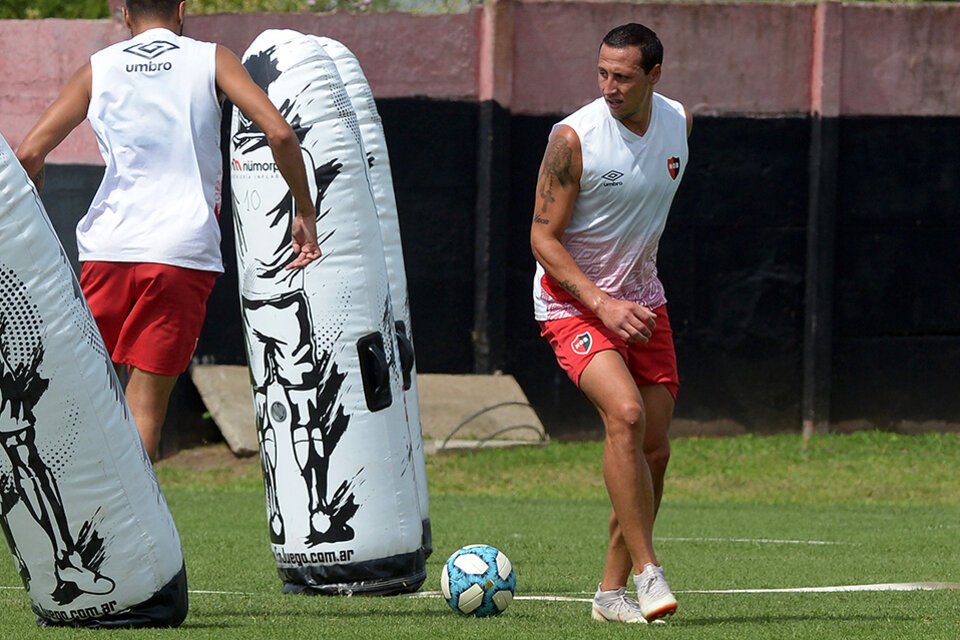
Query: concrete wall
column 392, row 48
column 729, row 58
column 822, row 184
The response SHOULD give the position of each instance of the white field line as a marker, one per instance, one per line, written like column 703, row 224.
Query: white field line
column 196, row 591
column 754, row 541
column 894, row 586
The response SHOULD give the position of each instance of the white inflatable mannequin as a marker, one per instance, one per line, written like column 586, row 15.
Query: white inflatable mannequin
column 381, row 183
column 84, row 517
column 342, row 502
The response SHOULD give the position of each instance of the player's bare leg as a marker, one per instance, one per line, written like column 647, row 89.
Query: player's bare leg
column 148, row 395
column 609, row 385
column 659, row 404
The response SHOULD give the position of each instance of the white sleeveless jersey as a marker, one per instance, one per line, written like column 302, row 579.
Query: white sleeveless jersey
column 155, row 111
column 626, row 190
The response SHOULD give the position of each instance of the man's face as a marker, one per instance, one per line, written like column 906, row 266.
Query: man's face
column 623, row 83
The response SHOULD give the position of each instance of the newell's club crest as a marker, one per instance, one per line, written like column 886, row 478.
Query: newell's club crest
column 673, row 166
column 582, row 343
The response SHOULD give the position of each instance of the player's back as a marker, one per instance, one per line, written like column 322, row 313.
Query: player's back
column 155, row 111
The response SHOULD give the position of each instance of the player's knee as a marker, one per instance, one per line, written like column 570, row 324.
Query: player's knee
column 658, row 456
column 629, row 413
column 624, row 421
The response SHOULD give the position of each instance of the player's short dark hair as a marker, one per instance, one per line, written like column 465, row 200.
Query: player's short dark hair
column 152, row 8
column 637, row 35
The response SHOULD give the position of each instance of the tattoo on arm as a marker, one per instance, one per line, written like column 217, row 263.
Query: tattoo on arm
column 556, row 170
column 558, row 161
column 571, row 288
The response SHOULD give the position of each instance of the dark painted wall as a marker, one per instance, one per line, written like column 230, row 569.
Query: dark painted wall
column 897, row 329
column 433, row 151
column 733, row 260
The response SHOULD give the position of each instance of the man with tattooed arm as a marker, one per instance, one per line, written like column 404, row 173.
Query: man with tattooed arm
column 605, row 188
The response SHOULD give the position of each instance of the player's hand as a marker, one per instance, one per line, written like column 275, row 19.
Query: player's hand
column 629, row 320
column 303, row 231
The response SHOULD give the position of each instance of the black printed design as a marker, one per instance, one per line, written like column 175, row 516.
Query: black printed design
column 29, row 478
column 297, row 384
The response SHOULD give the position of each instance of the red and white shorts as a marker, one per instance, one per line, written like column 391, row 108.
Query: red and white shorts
column 577, row 339
column 150, row 315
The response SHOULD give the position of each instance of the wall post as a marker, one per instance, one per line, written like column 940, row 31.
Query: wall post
column 822, row 213
column 493, row 184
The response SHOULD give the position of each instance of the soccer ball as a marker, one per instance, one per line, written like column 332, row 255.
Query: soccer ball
column 478, row 580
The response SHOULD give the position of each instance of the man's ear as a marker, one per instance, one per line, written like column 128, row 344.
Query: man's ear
column 655, row 74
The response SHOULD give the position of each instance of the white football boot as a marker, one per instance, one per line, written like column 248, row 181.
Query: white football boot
column 653, row 593
column 615, row 606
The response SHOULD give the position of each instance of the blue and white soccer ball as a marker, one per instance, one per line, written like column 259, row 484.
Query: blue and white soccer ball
column 478, row 580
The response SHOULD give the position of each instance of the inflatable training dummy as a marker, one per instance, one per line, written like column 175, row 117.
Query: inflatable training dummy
column 381, row 183
column 90, row 532
column 342, row 505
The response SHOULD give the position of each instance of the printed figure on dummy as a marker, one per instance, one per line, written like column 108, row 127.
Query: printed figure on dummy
column 29, row 480
column 295, row 389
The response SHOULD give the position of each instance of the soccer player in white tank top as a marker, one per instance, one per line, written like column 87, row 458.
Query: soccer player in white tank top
column 595, row 312
column 147, row 392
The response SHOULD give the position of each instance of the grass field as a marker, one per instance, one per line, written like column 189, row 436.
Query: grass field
column 740, row 513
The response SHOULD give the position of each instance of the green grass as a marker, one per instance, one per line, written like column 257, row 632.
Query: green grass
column 887, row 506
column 861, row 467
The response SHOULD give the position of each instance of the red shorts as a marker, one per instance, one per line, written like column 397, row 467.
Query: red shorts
column 150, row 315
column 577, row 339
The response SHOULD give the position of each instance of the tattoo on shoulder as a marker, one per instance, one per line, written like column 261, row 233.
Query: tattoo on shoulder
column 558, row 160
column 556, row 169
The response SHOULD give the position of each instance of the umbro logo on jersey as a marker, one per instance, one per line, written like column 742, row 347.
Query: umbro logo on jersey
column 673, row 166
column 582, row 343
column 151, row 50
column 612, row 179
